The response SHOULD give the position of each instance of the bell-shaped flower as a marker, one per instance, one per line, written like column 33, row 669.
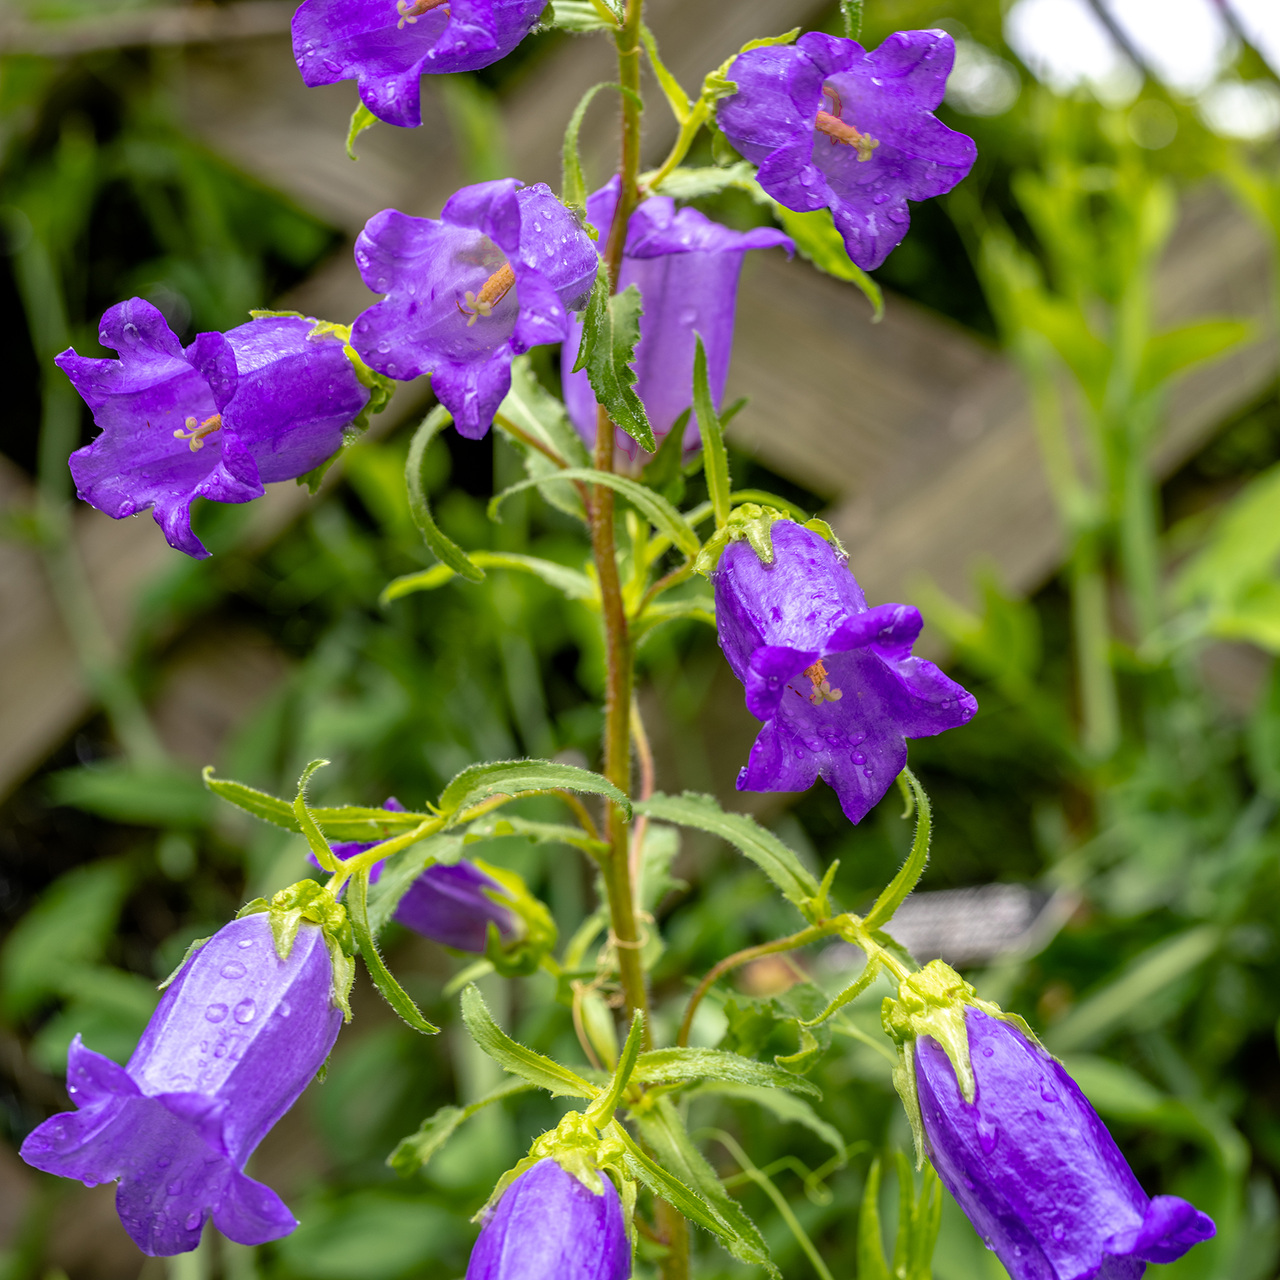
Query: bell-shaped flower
column 387, row 45
column 832, row 126
column 265, row 401
column 1035, row 1169
column 833, row 680
column 549, row 1225
column 497, row 273
column 236, row 1038
column 452, row 905
column 686, row 268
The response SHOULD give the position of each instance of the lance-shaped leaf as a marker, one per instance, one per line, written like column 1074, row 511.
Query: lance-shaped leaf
column 600, row 1112
column 574, row 585
column 394, row 994
column 653, row 506
column 669, row 1066
column 361, row 119
column 514, row 1057
column 912, row 869
column 715, row 461
column 610, row 332
column 676, row 1153
column 447, row 551
column 773, row 857
column 573, row 186
column 358, row 823
column 479, row 782
column 538, row 832
column 412, row 1154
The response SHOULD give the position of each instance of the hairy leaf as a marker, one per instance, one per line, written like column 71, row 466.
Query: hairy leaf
column 610, row 331
column 479, row 782
column 667, row 1066
column 412, row 1154
column 440, row 543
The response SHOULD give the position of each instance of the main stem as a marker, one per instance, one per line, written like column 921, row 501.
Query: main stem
column 618, row 657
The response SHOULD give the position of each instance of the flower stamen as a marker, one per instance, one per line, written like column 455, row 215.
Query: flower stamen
column 196, row 434
column 411, row 12
column 494, row 289
column 841, row 134
column 822, row 690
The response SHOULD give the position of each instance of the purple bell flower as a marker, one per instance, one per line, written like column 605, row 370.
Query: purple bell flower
column 498, row 273
column 266, row 401
column 832, row 126
column 550, row 1226
column 687, row 269
column 388, row 44
column 833, row 681
column 448, row 904
column 1035, row 1169
column 237, row 1037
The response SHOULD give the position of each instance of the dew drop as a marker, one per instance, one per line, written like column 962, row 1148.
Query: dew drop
column 1017, row 1251
column 175, row 1187
column 283, row 1009
column 233, row 970
column 246, row 1011
column 384, row 347
column 1059, row 1231
column 945, row 703
column 391, row 368
column 988, row 1136
column 866, row 773
column 216, row 1012
column 192, row 1222
column 1046, row 1093
column 163, row 1163
column 859, row 758
column 245, row 942
column 986, row 1053
column 220, row 1051
column 688, row 316
column 799, row 753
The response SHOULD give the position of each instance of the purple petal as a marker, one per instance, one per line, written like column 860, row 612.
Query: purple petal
column 1036, row 1170
column 549, row 1226
column 490, row 208
column 452, row 905
column 250, row 1212
column 473, row 392
column 543, row 317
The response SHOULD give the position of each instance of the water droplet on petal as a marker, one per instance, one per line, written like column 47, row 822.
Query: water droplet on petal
column 1059, row 1231
column 283, row 1009
column 246, row 1011
column 192, row 1222
column 163, row 1163
column 216, row 1012
column 799, row 753
column 1046, row 1093
column 859, row 758
column 233, row 970
column 986, row 1053
column 245, row 942
column 866, row 773
column 175, row 1187
column 988, row 1136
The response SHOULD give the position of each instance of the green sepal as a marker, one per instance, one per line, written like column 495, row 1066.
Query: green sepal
column 361, row 119
column 935, row 1002
column 748, row 523
column 311, row 902
column 538, row 934
column 824, row 530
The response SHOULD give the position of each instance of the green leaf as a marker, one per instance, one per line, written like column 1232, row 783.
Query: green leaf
column 269, row 808
column 573, row 185
column 479, row 782
column 602, row 1109
column 670, row 1066
column 610, row 331
column 1168, row 354
column 412, row 1154
column 361, row 119
column 715, row 460
column 154, row 797
column 574, row 585
column 773, row 857
column 664, row 473
column 871, row 1263
column 394, row 994
column 695, row 184
column 307, row 824
column 655, row 508
column 677, row 99
column 819, row 242
column 675, row 1151
column 783, row 1106
column 1136, row 985
column 444, row 547
column 912, row 869
column 540, row 1071
column 538, row 832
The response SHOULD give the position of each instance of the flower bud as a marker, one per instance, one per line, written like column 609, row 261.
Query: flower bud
column 549, row 1225
column 237, row 1037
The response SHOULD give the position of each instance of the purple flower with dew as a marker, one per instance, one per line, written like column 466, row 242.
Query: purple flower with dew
column 832, row 126
column 833, row 681
column 1035, row 1169
column 388, row 44
column 450, row 905
column 498, row 273
column 237, row 1037
column 687, row 269
column 550, row 1226
column 219, row 419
